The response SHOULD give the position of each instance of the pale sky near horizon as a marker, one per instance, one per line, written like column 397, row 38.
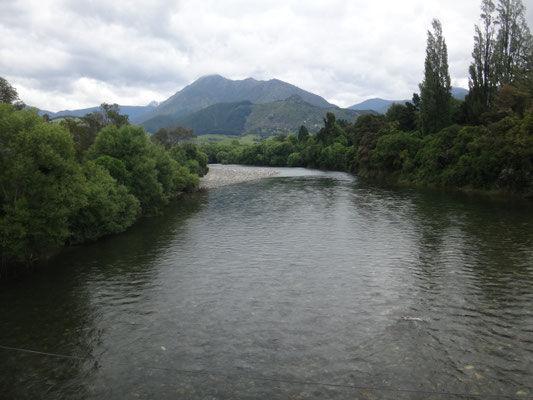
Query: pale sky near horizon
column 62, row 54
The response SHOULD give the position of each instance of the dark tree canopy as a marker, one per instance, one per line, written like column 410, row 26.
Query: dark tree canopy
column 303, row 134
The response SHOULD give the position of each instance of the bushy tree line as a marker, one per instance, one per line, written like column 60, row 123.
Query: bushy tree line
column 81, row 179
column 497, row 156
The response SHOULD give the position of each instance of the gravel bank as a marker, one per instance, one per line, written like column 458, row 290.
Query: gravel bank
column 224, row 176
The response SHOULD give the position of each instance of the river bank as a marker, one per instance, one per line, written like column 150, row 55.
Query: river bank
column 225, row 175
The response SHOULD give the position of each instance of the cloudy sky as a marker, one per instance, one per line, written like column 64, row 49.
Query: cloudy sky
column 67, row 54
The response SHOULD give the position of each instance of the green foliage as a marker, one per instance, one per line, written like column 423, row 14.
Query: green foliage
column 111, row 115
column 50, row 194
column 190, row 156
column 497, row 157
column 110, row 208
column 435, row 90
column 150, row 171
column 330, row 132
column 303, row 134
column 184, row 181
column 41, row 185
column 9, row 95
column 294, row 160
column 394, row 152
column 161, row 138
column 82, row 134
column 483, row 70
column 334, row 157
column 502, row 56
column 513, row 48
column 114, row 167
column 131, row 145
column 368, row 123
column 406, row 116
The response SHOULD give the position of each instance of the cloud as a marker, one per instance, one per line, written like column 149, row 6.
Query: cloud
column 63, row 54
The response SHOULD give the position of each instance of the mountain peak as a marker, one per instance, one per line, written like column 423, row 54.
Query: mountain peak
column 210, row 77
column 213, row 89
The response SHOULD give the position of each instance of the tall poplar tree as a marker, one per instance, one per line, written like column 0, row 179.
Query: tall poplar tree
column 435, row 90
column 482, row 70
column 513, row 50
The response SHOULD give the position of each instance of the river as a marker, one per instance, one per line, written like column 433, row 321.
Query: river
column 307, row 285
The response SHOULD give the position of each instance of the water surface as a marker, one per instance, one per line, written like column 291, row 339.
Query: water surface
column 248, row 291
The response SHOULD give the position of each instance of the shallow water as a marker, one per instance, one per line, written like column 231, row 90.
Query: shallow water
column 266, row 288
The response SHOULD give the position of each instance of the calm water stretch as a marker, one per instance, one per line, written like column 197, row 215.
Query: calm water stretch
column 252, row 290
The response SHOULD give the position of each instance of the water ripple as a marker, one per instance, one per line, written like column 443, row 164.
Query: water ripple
column 307, row 276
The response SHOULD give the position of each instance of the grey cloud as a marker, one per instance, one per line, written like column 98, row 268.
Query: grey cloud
column 342, row 50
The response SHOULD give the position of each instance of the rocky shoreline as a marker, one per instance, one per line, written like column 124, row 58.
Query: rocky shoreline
column 219, row 176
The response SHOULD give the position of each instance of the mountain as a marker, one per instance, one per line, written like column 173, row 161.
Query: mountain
column 459, row 93
column 378, row 105
column 381, row 105
column 214, row 89
column 244, row 117
column 288, row 115
column 131, row 111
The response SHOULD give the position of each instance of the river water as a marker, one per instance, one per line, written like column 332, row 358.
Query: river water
column 307, row 285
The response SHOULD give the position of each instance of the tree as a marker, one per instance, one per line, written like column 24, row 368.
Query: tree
column 416, row 101
column 482, row 80
column 405, row 115
column 303, row 134
column 107, row 115
column 83, row 134
column 161, row 138
column 131, row 145
column 513, row 50
column 179, row 134
column 9, row 95
column 330, row 131
column 41, row 185
column 435, row 90
column 109, row 208
column 111, row 115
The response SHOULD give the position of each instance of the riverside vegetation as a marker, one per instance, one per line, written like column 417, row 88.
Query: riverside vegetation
column 79, row 180
column 82, row 179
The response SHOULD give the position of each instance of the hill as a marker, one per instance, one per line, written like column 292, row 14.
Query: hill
column 378, row 105
column 131, row 111
column 213, row 89
column 381, row 105
column 242, row 118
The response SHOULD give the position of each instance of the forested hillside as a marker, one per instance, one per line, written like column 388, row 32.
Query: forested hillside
column 242, row 118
